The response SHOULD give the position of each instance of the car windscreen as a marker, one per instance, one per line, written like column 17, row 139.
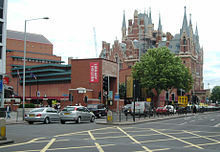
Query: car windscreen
column 92, row 106
column 38, row 110
column 69, row 109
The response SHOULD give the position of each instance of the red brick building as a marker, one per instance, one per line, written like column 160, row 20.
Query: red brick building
column 87, row 80
column 140, row 36
column 44, row 72
column 48, row 81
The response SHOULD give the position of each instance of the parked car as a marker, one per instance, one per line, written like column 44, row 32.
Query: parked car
column 77, row 114
column 44, row 114
column 170, row 109
column 159, row 110
column 98, row 109
column 127, row 109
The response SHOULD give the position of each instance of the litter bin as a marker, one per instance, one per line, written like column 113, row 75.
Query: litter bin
column 109, row 116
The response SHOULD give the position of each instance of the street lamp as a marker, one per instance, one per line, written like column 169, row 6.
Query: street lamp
column 25, row 39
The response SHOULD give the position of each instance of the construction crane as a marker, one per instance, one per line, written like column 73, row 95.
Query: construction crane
column 95, row 41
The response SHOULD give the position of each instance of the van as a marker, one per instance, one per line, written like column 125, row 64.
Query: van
column 141, row 107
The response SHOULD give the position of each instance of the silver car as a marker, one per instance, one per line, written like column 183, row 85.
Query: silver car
column 77, row 114
column 44, row 114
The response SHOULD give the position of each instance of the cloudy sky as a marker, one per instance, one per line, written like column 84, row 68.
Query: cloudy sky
column 71, row 24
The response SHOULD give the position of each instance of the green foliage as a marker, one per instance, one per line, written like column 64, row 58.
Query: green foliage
column 27, row 105
column 215, row 95
column 160, row 69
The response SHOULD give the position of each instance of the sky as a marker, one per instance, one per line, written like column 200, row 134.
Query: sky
column 75, row 26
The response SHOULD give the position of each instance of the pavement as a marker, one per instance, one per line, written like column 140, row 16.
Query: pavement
column 16, row 118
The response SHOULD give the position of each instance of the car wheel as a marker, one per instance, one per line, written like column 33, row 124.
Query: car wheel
column 46, row 120
column 30, row 122
column 78, row 120
column 62, row 121
column 92, row 119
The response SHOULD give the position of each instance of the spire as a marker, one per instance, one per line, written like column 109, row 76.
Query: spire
column 190, row 27
column 124, row 22
column 190, row 20
column 123, row 29
column 150, row 20
column 159, row 24
column 185, row 24
column 196, row 32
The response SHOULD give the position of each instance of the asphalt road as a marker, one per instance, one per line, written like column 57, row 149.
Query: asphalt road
column 199, row 133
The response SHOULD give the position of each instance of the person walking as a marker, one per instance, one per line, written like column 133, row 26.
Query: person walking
column 8, row 110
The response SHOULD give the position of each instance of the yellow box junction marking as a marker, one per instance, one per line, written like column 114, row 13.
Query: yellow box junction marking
column 48, row 145
column 129, row 136
column 186, row 142
column 96, row 144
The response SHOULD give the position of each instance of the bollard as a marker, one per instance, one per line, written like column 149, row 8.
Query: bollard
column 109, row 116
column 3, row 129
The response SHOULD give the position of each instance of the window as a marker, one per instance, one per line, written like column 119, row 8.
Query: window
column 1, row 8
column 1, row 26
column 0, row 52
column 184, row 40
column 167, row 96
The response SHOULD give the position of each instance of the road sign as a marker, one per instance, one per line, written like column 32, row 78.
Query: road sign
column 1, row 85
column 116, row 96
column 148, row 99
column 183, row 100
column 38, row 93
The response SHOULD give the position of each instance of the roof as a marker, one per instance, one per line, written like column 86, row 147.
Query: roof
column 38, row 38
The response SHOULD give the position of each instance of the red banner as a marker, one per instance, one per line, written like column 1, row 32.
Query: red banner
column 94, row 72
column 6, row 80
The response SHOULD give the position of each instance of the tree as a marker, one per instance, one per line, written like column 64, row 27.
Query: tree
column 159, row 69
column 215, row 95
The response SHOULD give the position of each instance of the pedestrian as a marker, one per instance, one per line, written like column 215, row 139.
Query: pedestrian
column 8, row 110
column 194, row 109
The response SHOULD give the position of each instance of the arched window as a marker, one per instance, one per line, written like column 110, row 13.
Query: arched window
column 184, row 40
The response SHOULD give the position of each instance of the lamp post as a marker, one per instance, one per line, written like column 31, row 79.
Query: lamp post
column 25, row 39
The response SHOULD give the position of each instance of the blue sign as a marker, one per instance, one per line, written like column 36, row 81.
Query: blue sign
column 117, row 97
column 1, row 85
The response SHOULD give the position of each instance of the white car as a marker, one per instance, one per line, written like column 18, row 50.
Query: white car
column 171, row 109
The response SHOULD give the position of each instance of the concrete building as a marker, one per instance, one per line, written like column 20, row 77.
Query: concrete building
column 3, row 21
column 140, row 35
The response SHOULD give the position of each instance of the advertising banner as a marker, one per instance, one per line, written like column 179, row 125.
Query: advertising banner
column 94, row 72
column 129, row 87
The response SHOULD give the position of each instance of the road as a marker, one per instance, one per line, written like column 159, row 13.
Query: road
column 198, row 133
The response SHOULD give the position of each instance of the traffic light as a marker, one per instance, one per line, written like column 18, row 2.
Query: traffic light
column 70, row 97
column 105, row 83
column 173, row 97
column 86, row 99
